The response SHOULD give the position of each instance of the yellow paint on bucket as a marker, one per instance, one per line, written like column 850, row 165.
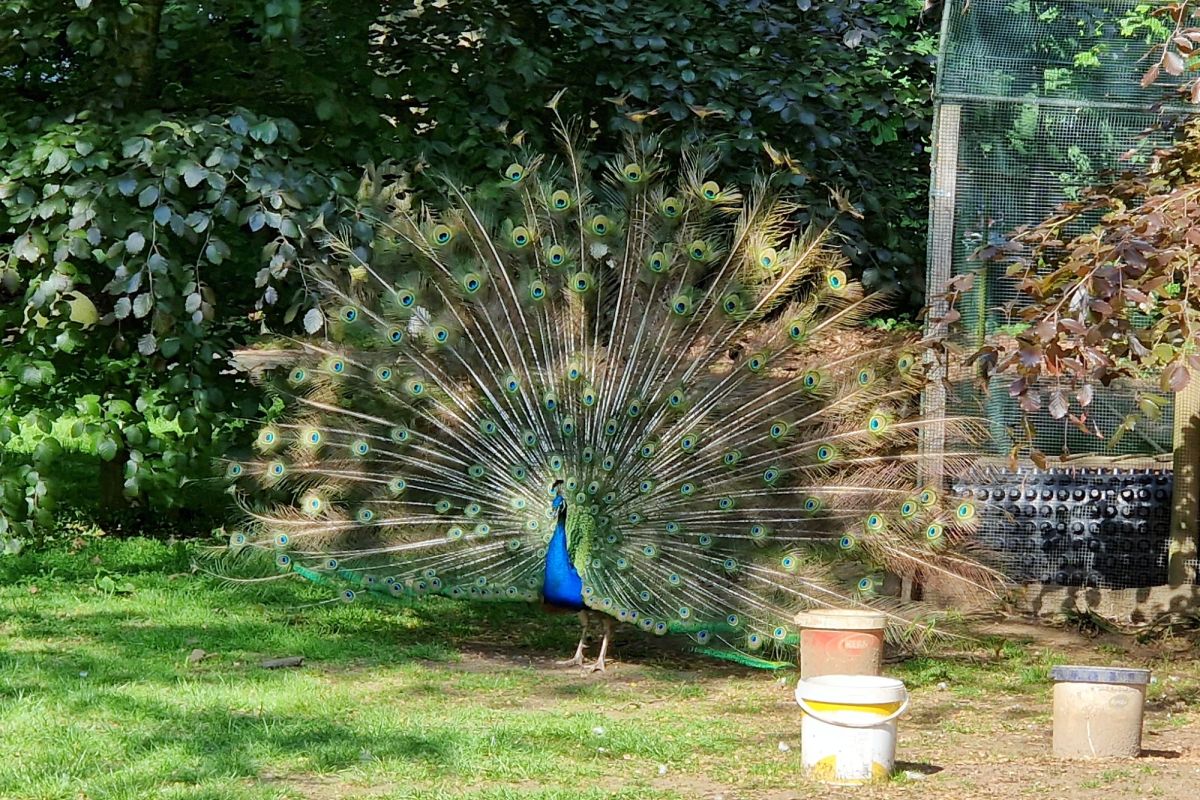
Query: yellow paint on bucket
column 848, row 733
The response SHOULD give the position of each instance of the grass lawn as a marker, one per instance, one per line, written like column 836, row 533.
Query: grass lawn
column 99, row 701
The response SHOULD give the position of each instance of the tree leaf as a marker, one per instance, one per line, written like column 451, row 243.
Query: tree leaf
column 314, row 320
column 142, row 304
column 148, row 196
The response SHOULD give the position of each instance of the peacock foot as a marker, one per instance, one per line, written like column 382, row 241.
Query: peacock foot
column 577, row 661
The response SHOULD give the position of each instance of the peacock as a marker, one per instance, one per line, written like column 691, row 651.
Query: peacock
column 615, row 390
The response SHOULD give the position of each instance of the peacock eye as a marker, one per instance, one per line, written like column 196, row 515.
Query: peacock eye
column 710, row 190
column 671, row 207
column 442, row 234
column 514, row 172
column 560, row 200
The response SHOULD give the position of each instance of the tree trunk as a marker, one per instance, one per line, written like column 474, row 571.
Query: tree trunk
column 141, row 53
column 111, row 493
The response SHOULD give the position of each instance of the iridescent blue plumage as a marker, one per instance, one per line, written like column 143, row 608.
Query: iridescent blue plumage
column 563, row 587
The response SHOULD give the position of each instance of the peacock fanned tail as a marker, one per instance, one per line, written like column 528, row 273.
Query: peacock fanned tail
column 663, row 344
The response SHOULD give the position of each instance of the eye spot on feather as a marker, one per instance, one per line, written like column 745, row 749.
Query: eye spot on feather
column 758, row 532
column 472, row 282
column 908, row 509
column 514, row 172
column 349, row 314
column 608, row 464
column 875, row 523
column 811, row 379
column 688, row 443
column 779, row 429
column 521, row 236
column 660, row 628
column 582, row 282
column 442, row 506
column 568, row 426
column 865, row 376
column 671, row 207
column 704, row 540
column 360, row 448
column 698, row 250
column 779, row 634
column 276, row 469
column 836, row 280
column 476, row 471
column 406, row 298
column 649, row 551
column 788, row 563
column 756, row 363
column 365, row 515
column 282, row 540
column 826, row 453
column 601, row 225
column 634, row 518
column 234, row 471
column 847, row 543
column 556, row 255
column 337, row 366
column 731, row 458
column 657, row 262
column 442, row 235
column 646, row 487
column 298, row 375
column 797, row 331
column 610, row 428
column 237, row 540
column 415, row 387
column 560, row 200
column 812, row 505
column 710, row 190
column 730, row 565
column 384, row 374
column 934, row 532
column 674, row 579
column 454, row 534
column 397, row 485
column 632, row 173
column 648, row 450
column 927, row 498
column 283, row 561
column 767, row 257
column 965, row 511
column 687, row 489
column 754, row 641
column 771, row 475
column 866, row 585
column 395, row 335
column 512, row 385
column 681, row 305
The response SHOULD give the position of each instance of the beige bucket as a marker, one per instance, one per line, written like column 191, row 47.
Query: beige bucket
column 840, row 642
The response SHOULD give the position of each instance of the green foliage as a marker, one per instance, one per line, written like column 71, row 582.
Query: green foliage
column 162, row 163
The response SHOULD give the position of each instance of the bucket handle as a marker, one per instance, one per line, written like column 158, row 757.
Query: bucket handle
column 844, row 724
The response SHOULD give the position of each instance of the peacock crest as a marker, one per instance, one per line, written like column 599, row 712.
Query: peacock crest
column 638, row 358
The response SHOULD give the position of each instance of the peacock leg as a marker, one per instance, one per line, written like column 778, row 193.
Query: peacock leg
column 578, row 658
column 608, row 629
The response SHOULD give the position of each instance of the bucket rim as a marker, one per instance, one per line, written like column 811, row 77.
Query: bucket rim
column 1073, row 673
column 843, row 619
column 852, row 689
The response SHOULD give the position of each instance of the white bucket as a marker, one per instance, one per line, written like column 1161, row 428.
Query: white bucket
column 848, row 734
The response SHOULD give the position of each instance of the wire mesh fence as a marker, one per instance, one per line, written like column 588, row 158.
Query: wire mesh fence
column 1048, row 100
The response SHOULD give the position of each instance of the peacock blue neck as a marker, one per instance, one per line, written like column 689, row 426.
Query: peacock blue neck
column 562, row 586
